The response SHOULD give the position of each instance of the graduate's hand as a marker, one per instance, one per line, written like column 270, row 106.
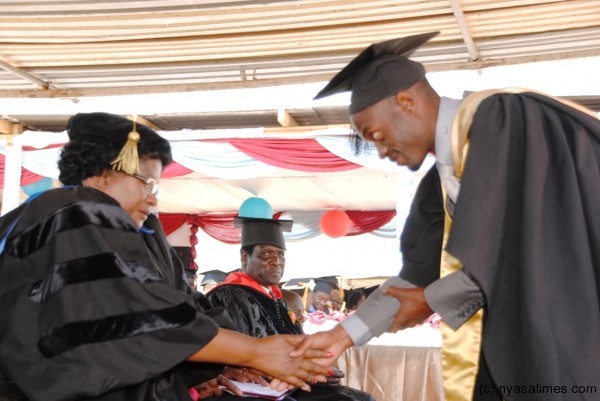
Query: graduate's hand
column 335, row 341
column 413, row 307
column 274, row 357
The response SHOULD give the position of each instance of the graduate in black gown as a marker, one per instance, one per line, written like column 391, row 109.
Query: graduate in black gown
column 91, row 306
column 520, row 268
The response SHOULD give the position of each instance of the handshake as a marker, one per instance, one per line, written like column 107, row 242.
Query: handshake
column 290, row 361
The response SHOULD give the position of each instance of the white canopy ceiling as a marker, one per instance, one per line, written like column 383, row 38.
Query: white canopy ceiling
column 59, row 48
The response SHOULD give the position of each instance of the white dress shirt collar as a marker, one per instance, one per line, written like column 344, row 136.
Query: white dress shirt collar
column 447, row 110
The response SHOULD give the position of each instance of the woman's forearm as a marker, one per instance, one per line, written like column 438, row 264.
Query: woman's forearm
column 228, row 347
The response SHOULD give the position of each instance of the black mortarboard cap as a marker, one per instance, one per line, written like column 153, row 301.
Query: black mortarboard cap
column 213, row 276
column 379, row 71
column 126, row 133
column 326, row 284
column 257, row 231
column 190, row 273
column 298, row 282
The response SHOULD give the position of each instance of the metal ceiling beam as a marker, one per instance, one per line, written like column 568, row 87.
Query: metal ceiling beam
column 464, row 30
column 41, row 84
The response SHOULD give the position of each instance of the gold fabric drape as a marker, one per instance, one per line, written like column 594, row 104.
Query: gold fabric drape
column 460, row 348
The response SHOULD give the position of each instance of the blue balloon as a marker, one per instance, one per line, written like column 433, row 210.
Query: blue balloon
column 257, row 208
column 39, row 186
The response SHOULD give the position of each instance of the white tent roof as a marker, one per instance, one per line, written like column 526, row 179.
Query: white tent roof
column 74, row 48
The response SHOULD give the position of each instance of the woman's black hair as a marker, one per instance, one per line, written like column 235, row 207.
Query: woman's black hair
column 88, row 155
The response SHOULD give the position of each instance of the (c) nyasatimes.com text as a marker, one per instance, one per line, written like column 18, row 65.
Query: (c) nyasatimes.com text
column 537, row 389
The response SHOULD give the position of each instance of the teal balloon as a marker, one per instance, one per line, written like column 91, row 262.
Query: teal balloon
column 257, row 208
column 39, row 186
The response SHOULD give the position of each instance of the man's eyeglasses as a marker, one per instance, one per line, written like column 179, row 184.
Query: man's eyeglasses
column 151, row 183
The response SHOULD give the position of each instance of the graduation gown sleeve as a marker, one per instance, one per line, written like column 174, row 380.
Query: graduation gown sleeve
column 83, row 310
column 423, row 232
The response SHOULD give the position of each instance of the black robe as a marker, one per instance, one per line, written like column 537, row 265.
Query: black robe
column 86, row 310
column 526, row 227
column 258, row 315
column 173, row 271
column 423, row 232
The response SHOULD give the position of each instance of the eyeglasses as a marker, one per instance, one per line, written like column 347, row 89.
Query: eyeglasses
column 151, row 183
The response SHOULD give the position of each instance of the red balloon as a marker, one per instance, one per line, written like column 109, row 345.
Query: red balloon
column 335, row 223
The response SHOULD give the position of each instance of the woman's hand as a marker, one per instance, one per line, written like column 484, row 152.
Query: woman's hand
column 274, row 357
column 335, row 341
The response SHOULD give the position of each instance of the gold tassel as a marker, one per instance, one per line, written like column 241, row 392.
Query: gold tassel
column 128, row 160
column 305, row 296
column 292, row 316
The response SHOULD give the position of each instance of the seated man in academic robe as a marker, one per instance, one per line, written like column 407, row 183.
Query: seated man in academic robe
column 254, row 301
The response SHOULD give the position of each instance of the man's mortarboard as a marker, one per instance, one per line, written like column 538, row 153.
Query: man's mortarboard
column 258, row 226
column 213, row 276
column 378, row 72
column 326, row 284
column 299, row 282
column 257, row 231
column 126, row 133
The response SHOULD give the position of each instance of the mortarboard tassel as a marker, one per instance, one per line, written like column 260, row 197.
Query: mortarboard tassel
column 128, row 160
column 305, row 296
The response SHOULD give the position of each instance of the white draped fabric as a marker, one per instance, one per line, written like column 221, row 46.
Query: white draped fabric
column 43, row 162
column 219, row 160
column 368, row 157
column 222, row 176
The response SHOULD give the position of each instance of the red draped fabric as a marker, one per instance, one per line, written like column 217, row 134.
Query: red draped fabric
column 172, row 221
column 220, row 226
column 27, row 177
column 27, row 148
column 193, row 242
column 364, row 222
column 175, row 170
column 294, row 154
